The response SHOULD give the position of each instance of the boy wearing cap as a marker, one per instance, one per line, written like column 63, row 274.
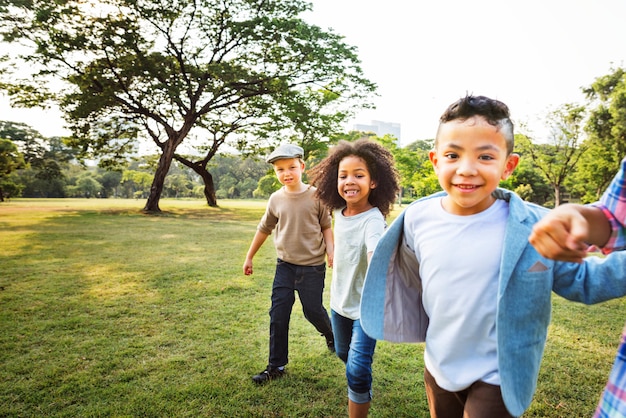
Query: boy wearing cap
column 303, row 240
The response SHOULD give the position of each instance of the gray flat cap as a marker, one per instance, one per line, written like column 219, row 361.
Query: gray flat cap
column 285, row 151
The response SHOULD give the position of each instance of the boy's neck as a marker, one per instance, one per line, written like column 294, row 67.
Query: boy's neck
column 449, row 206
column 296, row 188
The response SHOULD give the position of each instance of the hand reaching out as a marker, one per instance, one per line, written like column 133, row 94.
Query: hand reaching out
column 566, row 232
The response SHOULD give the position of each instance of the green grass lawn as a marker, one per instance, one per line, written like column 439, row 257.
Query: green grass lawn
column 108, row 312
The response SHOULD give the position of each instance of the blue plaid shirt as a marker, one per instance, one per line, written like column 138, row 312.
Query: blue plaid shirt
column 613, row 204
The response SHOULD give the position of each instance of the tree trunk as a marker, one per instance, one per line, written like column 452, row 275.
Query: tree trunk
column 557, row 195
column 209, row 189
column 209, row 186
column 200, row 169
column 152, row 205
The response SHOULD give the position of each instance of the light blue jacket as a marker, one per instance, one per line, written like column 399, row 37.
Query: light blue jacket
column 392, row 310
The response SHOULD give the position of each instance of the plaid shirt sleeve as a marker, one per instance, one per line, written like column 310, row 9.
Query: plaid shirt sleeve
column 613, row 204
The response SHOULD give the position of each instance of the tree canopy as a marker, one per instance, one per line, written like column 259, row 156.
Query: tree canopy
column 606, row 129
column 10, row 160
column 212, row 71
column 558, row 157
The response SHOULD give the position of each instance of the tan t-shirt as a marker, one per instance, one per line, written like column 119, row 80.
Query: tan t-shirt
column 299, row 219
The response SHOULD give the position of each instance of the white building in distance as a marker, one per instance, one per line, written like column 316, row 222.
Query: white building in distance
column 381, row 128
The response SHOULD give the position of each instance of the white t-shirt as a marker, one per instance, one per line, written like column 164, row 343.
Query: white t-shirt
column 459, row 260
column 355, row 236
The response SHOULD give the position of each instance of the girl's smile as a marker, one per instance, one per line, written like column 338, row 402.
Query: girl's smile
column 354, row 184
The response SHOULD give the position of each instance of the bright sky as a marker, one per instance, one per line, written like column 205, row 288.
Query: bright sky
column 534, row 55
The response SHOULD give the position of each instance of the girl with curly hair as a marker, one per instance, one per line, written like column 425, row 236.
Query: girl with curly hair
column 358, row 181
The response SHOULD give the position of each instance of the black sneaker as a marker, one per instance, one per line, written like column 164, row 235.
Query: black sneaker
column 330, row 343
column 268, row 374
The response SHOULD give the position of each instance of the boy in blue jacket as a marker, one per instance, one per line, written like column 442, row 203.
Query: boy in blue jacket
column 455, row 270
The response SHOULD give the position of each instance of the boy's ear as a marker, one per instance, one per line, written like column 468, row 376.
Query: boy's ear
column 432, row 156
column 511, row 162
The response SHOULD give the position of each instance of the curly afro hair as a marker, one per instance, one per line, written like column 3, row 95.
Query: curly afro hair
column 380, row 163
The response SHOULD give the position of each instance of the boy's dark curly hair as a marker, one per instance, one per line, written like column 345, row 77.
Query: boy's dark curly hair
column 493, row 111
column 380, row 163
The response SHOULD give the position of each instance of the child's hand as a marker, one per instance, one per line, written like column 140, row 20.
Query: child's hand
column 562, row 234
column 247, row 267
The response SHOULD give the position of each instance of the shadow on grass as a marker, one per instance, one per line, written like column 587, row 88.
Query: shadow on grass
column 209, row 213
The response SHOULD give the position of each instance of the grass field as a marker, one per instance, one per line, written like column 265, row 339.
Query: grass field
column 108, row 312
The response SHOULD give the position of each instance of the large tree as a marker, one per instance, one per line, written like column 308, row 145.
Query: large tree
column 169, row 70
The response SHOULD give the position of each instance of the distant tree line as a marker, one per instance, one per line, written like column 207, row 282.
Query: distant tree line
column 34, row 166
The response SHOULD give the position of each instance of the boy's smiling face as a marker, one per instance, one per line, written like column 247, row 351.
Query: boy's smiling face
column 289, row 172
column 470, row 159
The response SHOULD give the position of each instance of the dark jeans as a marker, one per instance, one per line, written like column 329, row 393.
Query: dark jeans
column 309, row 282
column 480, row 400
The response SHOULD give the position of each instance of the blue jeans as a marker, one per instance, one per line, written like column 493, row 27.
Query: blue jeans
column 309, row 282
column 356, row 349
